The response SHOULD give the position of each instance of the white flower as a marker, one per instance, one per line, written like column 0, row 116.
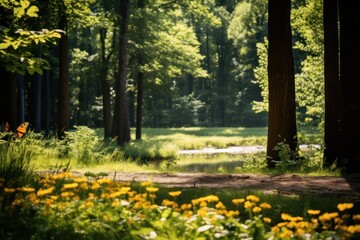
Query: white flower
column 204, row 228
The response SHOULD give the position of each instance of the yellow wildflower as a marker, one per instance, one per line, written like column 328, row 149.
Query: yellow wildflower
column 220, row 205
column 238, row 201
column 256, row 209
column 267, row 220
column 104, row 180
column 328, row 216
column 89, row 204
column 344, row 206
column 313, row 212
column 26, row 189
column 252, row 198
column 67, row 194
column 41, row 192
column 265, row 205
column 356, row 217
column 84, row 186
column 152, row 189
column 70, row 185
column 186, row 206
column 248, row 204
column 95, row 185
column 232, row 213
column 175, row 194
column 353, row 229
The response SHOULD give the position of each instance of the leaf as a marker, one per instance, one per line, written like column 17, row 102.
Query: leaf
column 32, row 11
column 4, row 45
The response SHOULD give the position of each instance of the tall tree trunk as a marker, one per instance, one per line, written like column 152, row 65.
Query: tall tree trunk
column 282, row 108
column 332, row 86
column 349, row 86
column 139, row 101
column 121, row 115
column 105, row 86
column 63, row 100
column 140, row 73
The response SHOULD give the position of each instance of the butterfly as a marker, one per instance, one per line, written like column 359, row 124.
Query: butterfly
column 20, row 131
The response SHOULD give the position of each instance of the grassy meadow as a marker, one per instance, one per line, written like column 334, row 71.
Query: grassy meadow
column 88, row 205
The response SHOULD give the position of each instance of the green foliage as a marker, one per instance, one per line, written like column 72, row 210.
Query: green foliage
column 16, row 44
column 83, row 145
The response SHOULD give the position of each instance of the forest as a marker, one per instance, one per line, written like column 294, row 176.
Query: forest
column 209, row 63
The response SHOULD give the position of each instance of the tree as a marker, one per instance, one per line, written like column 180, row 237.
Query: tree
column 282, row 109
column 121, row 114
column 349, row 155
column 332, row 84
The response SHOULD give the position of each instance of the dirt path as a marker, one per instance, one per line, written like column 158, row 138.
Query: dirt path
column 284, row 184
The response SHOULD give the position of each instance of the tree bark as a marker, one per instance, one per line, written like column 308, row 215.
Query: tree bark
column 332, row 85
column 349, row 86
column 121, row 115
column 63, row 100
column 105, row 86
column 140, row 73
column 282, row 108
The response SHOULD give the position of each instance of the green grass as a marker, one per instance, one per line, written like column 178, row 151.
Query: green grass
column 159, row 152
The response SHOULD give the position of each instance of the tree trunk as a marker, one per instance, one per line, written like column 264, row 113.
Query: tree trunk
column 332, row 86
column 105, row 86
column 140, row 73
column 349, row 86
column 63, row 100
column 122, row 125
column 282, row 109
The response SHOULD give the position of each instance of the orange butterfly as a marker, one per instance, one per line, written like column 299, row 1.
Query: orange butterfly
column 22, row 129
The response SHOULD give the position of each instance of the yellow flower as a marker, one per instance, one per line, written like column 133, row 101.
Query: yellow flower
column 67, row 194
column 248, row 204
column 353, row 229
column 152, row 189
column 232, row 213
column 265, row 205
column 89, row 204
column 344, row 206
column 256, row 209
column 175, row 194
column 238, row 201
column 186, row 206
column 328, row 216
column 26, row 189
column 41, row 192
column 104, row 180
column 95, row 185
column 356, row 217
column 70, row 185
column 220, row 205
column 313, row 212
column 267, row 220
column 252, row 198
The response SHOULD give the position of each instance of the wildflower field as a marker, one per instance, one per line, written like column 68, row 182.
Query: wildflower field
column 64, row 206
